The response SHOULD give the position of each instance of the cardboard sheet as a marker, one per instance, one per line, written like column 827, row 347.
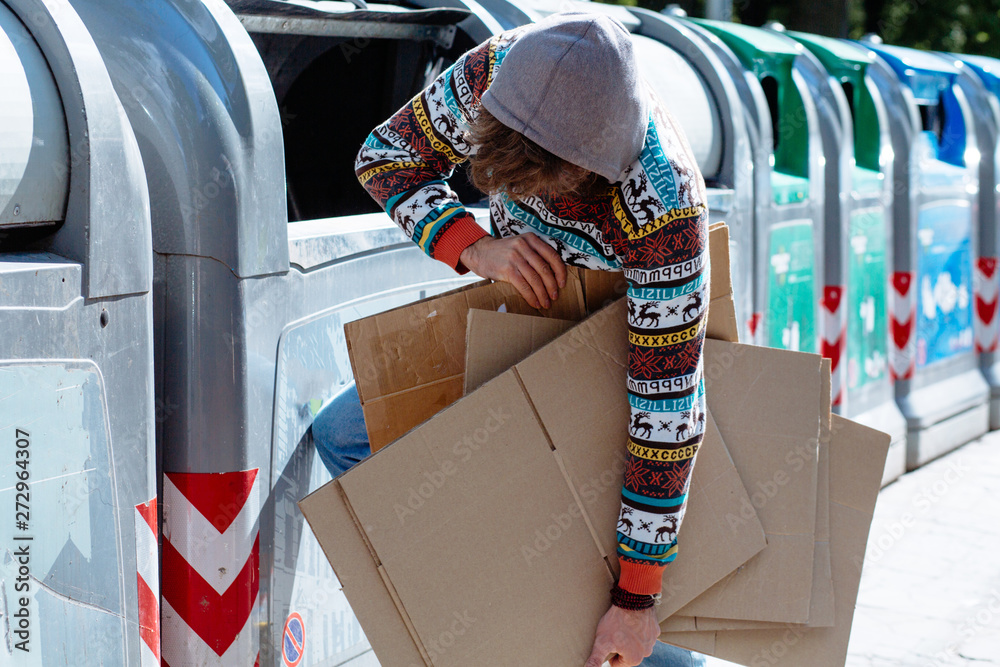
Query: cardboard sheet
column 601, row 288
column 722, row 324
column 857, row 458
column 767, row 404
column 716, row 492
column 821, row 607
column 496, row 341
column 508, row 500
column 595, row 353
column 409, row 362
column 474, row 537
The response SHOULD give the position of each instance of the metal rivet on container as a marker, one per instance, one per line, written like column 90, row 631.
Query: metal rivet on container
column 105, row 318
column 17, row 210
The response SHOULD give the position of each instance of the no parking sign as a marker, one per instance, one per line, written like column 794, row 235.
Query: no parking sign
column 293, row 640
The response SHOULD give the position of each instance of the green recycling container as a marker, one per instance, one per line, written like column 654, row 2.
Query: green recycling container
column 788, row 212
column 854, row 326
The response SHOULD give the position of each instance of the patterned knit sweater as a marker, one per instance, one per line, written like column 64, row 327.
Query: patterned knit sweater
column 653, row 226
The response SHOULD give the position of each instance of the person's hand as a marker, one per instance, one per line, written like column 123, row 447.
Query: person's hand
column 624, row 638
column 525, row 261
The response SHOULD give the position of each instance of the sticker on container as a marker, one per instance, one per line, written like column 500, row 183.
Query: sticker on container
column 867, row 325
column 944, row 289
column 791, row 316
column 293, row 641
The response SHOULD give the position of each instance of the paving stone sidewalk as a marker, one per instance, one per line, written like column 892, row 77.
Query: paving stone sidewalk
column 930, row 592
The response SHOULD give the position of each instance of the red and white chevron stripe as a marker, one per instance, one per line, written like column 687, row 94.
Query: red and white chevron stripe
column 902, row 325
column 148, row 569
column 834, row 336
column 987, row 287
column 753, row 326
column 211, row 553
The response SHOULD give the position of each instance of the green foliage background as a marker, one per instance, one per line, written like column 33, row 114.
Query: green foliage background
column 962, row 26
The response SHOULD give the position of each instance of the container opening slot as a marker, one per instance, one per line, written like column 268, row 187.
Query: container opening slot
column 331, row 93
column 932, row 118
column 848, row 88
column 770, row 86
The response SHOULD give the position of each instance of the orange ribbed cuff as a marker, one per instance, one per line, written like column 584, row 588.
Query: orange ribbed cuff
column 641, row 579
column 463, row 232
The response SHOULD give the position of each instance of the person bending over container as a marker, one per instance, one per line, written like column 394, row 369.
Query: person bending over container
column 584, row 166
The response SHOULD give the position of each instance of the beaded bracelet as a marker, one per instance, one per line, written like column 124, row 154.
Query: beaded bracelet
column 632, row 601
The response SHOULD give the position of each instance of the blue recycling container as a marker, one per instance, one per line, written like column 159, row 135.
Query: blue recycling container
column 939, row 387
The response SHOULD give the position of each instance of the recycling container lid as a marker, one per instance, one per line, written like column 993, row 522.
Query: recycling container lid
column 843, row 61
column 761, row 51
column 849, row 64
column 383, row 13
column 926, row 74
column 34, row 144
column 935, row 171
column 987, row 68
column 352, row 19
column 771, row 56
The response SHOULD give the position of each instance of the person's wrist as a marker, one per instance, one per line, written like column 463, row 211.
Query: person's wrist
column 468, row 258
column 632, row 601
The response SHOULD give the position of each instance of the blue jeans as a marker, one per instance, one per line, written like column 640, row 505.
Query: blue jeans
column 341, row 440
column 338, row 431
column 665, row 655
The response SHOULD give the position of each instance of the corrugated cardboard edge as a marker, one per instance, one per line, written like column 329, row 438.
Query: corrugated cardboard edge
column 351, row 327
column 583, row 507
column 821, row 604
column 371, row 601
column 378, row 355
column 795, row 553
column 486, row 328
column 403, row 615
column 382, row 431
column 699, row 642
column 857, row 458
column 722, row 323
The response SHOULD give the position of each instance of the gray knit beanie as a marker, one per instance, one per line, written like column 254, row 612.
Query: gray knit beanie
column 570, row 84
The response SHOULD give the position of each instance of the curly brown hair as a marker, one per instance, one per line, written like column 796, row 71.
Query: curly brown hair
column 507, row 161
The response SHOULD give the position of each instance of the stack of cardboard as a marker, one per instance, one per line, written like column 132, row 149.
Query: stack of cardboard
column 486, row 535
